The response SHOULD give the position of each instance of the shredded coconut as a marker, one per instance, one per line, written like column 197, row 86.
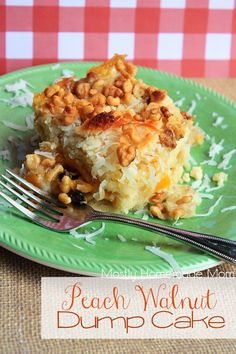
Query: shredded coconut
column 81, row 248
column 67, row 73
column 29, row 121
column 211, row 209
column 197, row 96
column 56, row 66
column 205, row 184
column 141, row 211
column 121, row 238
column 17, row 86
column 14, row 126
column 5, row 154
column 192, row 107
column 177, row 222
column 226, row 158
column 211, row 189
column 164, row 255
column 145, row 217
column 22, row 95
column 230, row 208
column 206, row 195
column 180, row 102
column 44, row 153
column 215, row 148
column 196, row 184
column 218, row 121
column 209, row 163
column 88, row 235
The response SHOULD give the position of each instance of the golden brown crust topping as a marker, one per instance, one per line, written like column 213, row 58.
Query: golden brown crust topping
column 100, row 101
column 102, row 119
column 158, row 95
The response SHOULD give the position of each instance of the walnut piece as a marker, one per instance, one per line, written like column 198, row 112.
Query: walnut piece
column 154, row 94
column 113, row 91
column 51, row 90
column 81, row 89
column 158, row 95
column 126, row 154
column 167, row 138
column 187, row 116
column 165, row 111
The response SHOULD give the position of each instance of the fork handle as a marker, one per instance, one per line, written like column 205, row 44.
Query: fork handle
column 218, row 246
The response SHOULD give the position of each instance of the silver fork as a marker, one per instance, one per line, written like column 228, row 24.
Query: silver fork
column 55, row 216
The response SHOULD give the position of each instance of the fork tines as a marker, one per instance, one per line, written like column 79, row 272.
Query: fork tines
column 32, row 198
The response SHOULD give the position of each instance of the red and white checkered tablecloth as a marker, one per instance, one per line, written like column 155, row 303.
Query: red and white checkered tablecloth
column 194, row 38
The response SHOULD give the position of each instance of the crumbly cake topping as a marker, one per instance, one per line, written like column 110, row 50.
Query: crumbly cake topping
column 116, row 139
column 110, row 97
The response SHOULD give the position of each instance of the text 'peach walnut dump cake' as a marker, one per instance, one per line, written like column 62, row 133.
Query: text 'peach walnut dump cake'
column 121, row 142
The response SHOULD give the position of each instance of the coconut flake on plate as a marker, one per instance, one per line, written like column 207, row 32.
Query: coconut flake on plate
column 164, row 255
column 202, row 185
column 230, row 208
column 180, row 102
column 5, row 154
column 56, row 66
column 18, row 127
column 218, row 121
column 214, row 150
column 206, row 195
column 226, row 159
column 87, row 236
column 67, row 73
column 29, row 121
column 22, row 95
column 212, row 208
column 192, row 107
column 121, row 238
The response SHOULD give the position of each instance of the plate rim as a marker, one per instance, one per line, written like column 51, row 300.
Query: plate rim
column 205, row 264
column 213, row 264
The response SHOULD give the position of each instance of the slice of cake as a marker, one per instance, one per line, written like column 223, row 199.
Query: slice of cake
column 115, row 138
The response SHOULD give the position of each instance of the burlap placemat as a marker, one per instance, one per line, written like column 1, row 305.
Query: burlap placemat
column 20, row 304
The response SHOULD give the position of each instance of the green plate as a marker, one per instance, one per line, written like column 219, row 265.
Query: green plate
column 110, row 256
